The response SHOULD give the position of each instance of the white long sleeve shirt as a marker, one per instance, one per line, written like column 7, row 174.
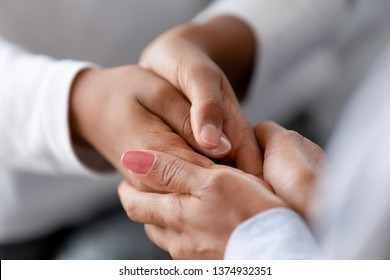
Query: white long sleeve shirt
column 43, row 186
column 352, row 206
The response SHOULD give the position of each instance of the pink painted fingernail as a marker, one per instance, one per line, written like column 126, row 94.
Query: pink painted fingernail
column 138, row 161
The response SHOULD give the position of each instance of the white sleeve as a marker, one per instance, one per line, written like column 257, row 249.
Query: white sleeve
column 285, row 30
column 275, row 234
column 34, row 129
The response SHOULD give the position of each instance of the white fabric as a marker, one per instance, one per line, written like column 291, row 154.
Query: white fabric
column 275, row 234
column 43, row 186
column 353, row 201
column 34, row 99
column 354, row 221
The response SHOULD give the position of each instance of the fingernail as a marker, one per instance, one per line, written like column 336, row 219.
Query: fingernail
column 138, row 161
column 210, row 134
column 224, row 147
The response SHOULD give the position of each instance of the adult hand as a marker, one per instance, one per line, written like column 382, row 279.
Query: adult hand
column 201, row 207
column 291, row 164
column 200, row 60
column 114, row 110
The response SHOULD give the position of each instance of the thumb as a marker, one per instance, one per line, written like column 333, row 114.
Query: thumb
column 200, row 79
column 203, row 88
column 163, row 171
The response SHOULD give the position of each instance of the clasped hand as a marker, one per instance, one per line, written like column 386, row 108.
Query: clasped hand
column 175, row 113
column 195, row 209
column 179, row 101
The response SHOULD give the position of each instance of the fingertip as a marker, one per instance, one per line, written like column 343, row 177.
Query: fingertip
column 207, row 123
column 224, row 147
column 138, row 161
column 213, row 140
column 122, row 187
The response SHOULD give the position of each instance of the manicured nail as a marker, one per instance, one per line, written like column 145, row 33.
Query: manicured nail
column 211, row 135
column 138, row 161
column 224, row 147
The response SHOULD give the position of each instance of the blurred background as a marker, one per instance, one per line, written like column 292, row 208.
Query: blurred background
column 112, row 33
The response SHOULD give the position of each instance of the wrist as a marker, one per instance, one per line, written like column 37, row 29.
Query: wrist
column 76, row 104
column 81, row 112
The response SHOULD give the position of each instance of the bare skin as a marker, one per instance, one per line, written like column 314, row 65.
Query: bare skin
column 200, row 206
column 202, row 61
column 291, row 164
column 195, row 217
column 128, row 107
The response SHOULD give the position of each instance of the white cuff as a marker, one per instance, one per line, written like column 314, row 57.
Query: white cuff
column 278, row 233
column 34, row 120
column 56, row 88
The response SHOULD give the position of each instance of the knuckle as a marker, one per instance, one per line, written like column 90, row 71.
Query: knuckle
column 177, row 252
column 186, row 126
column 216, row 180
column 196, row 158
column 307, row 177
column 167, row 173
column 213, row 102
column 157, row 139
column 175, row 219
column 184, row 249
column 290, row 136
column 294, row 135
column 264, row 124
column 159, row 90
column 131, row 210
column 169, row 170
column 205, row 70
column 211, row 77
